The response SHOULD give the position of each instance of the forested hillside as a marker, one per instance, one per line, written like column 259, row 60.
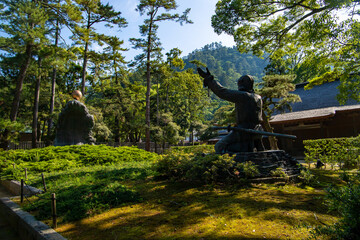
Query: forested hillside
column 227, row 64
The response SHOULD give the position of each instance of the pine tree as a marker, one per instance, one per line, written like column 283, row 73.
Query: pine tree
column 150, row 44
column 24, row 23
column 94, row 12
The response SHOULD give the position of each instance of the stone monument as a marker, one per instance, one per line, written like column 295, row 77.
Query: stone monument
column 74, row 124
column 245, row 139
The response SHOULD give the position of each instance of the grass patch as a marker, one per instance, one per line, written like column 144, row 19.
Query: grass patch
column 171, row 210
column 123, row 200
column 87, row 191
column 176, row 210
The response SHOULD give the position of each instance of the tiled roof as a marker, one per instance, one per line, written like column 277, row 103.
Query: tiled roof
column 312, row 114
column 321, row 96
column 318, row 102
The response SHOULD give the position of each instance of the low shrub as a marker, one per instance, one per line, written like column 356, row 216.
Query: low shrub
column 346, row 201
column 52, row 159
column 248, row 169
column 278, row 172
column 307, row 177
column 83, row 192
column 203, row 168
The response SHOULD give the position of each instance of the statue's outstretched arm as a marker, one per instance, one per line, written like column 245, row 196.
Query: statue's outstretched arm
column 205, row 75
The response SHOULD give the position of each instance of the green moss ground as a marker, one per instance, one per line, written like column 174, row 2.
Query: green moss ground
column 183, row 211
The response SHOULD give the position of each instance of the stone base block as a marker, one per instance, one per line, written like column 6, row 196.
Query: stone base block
column 268, row 162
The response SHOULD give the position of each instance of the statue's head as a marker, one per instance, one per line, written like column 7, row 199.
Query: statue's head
column 246, row 83
column 76, row 94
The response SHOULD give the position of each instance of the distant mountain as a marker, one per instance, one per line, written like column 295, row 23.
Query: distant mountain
column 227, row 64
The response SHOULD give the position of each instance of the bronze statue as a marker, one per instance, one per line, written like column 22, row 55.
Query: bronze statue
column 74, row 124
column 248, row 107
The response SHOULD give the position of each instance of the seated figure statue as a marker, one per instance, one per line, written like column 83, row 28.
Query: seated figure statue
column 74, row 124
column 248, row 107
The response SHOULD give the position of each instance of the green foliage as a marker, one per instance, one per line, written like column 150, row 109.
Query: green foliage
column 13, row 127
column 346, row 201
column 307, row 177
column 275, row 92
column 209, row 168
column 87, row 191
column 342, row 151
column 324, row 46
column 100, row 131
column 193, row 149
column 278, row 172
column 86, row 179
column 200, row 164
column 225, row 115
column 150, row 43
column 52, row 159
column 249, row 169
column 167, row 130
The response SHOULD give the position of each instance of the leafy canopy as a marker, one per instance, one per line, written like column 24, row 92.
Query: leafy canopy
column 266, row 26
column 312, row 27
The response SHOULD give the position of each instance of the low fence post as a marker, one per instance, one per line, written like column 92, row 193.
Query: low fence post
column 22, row 191
column 43, row 180
column 53, row 210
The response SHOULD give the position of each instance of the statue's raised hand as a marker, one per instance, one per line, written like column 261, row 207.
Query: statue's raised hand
column 206, row 75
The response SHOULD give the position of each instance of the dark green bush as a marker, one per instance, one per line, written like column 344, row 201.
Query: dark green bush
column 346, row 201
column 203, row 168
column 248, row 169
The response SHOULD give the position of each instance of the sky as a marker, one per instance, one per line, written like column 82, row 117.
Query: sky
column 187, row 37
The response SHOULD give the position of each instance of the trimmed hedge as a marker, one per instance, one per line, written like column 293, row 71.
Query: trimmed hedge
column 342, row 151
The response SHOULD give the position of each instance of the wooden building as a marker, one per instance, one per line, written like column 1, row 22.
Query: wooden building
column 319, row 115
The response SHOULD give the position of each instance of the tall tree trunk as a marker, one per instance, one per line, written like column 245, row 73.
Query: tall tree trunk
column 148, row 87
column 83, row 76
column 20, row 81
column 117, row 130
column 268, row 128
column 53, row 85
column 157, row 103
column 16, row 101
column 38, row 131
column 167, row 98
column 157, row 110
column 116, row 120
column 36, row 108
column 42, row 132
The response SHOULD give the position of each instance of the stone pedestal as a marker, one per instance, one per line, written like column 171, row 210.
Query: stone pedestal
column 269, row 161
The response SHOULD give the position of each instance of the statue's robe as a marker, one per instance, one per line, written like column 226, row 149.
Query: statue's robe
column 248, row 108
column 74, row 125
